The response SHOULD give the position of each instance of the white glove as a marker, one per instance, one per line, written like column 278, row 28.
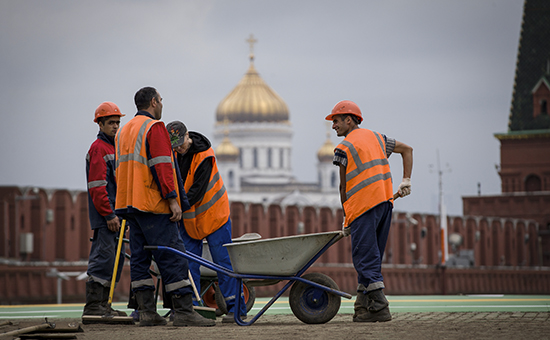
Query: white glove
column 346, row 231
column 405, row 187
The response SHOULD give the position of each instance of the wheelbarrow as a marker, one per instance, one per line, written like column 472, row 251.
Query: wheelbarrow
column 314, row 298
column 210, row 293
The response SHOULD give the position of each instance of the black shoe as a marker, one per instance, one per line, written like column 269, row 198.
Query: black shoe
column 94, row 296
column 105, row 303
column 230, row 318
column 185, row 314
column 377, row 308
column 147, row 309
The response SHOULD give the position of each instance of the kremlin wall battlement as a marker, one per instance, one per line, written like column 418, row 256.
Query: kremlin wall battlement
column 505, row 253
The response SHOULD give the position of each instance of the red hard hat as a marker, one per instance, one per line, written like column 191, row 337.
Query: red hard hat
column 107, row 109
column 345, row 107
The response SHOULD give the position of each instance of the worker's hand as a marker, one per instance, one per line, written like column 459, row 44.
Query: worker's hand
column 176, row 210
column 405, row 187
column 346, row 231
column 114, row 224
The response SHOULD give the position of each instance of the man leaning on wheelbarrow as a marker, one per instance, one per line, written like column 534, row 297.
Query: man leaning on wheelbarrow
column 208, row 218
column 367, row 197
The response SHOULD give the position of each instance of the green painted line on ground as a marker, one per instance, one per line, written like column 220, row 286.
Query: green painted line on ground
column 398, row 304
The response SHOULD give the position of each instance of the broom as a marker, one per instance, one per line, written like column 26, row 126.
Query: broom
column 207, row 312
column 109, row 317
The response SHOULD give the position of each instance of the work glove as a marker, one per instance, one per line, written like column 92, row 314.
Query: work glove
column 405, row 187
column 346, row 231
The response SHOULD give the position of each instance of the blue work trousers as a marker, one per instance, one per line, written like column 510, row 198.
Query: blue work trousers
column 369, row 234
column 101, row 263
column 228, row 285
column 157, row 230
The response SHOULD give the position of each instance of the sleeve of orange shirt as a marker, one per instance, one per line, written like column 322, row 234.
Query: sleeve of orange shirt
column 159, row 153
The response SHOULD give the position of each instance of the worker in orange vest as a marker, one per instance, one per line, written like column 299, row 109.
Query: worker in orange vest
column 208, row 217
column 150, row 197
column 366, row 194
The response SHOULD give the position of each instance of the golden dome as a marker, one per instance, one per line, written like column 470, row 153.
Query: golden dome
column 326, row 152
column 252, row 100
column 226, row 149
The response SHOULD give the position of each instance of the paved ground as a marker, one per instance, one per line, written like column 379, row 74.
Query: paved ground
column 414, row 317
column 427, row 325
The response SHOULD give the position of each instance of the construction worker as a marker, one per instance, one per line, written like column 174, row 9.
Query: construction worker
column 208, row 217
column 151, row 199
column 100, row 174
column 367, row 200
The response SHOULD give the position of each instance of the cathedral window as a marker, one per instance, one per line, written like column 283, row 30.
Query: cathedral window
column 281, row 157
column 241, row 158
column 533, row 183
column 230, row 179
column 333, row 180
column 269, row 151
column 255, row 158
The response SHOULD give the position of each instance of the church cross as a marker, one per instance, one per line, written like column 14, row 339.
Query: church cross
column 251, row 41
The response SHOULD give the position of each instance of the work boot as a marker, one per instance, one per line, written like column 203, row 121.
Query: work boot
column 361, row 304
column 230, row 318
column 147, row 308
column 378, row 309
column 105, row 304
column 185, row 314
column 94, row 296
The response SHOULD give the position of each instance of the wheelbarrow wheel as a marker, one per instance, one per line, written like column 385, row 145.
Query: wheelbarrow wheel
column 313, row 305
column 209, row 296
column 249, row 298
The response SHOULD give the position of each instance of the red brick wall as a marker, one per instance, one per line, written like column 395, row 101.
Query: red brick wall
column 500, row 245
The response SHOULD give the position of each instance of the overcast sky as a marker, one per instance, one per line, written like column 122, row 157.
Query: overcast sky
column 437, row 75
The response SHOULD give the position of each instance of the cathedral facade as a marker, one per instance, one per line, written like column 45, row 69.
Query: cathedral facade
column 253, row 146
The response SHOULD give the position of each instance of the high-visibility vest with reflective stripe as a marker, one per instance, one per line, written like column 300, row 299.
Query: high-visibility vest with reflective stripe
column 212, row 211
column 136, row 187
column 368, row 176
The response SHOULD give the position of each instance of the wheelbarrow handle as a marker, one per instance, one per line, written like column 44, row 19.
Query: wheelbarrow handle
column 150, row 247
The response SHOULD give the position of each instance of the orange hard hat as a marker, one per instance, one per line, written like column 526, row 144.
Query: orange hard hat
column 345, row 107
column 107, row 109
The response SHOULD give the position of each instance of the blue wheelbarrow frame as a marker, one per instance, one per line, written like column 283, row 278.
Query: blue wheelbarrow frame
column 239, row 276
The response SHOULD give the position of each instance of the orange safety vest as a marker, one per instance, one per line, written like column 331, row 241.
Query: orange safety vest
column 136, row 187
column 368, row 176
column 212, row 211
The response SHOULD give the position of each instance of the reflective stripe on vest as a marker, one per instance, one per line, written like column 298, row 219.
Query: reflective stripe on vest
column 212, row 211
column 136, row 186
column 368, row 176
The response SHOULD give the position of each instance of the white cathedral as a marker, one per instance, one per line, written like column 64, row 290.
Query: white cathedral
column 253, row 144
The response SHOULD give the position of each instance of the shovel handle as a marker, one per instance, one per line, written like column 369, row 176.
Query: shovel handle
column 119, row 247
column 194, row 286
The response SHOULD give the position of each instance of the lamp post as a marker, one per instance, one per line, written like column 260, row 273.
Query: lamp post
column 17, row 223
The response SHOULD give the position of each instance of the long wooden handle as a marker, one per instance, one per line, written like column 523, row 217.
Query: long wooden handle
column 119, row 247
column 194, row 287
column 396, row 196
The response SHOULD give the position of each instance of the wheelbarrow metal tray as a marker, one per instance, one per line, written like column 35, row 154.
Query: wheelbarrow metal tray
column 283, row 256
column 207, row 256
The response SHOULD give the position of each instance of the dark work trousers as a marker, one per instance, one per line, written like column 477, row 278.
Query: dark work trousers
column 102, row 257
column 369, row 234
column 157, row 230
column 228, row 285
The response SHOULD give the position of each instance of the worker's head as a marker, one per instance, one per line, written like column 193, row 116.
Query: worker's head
column 179, row 137
column 345, row 116
column 107, row 116
column 148, row 99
